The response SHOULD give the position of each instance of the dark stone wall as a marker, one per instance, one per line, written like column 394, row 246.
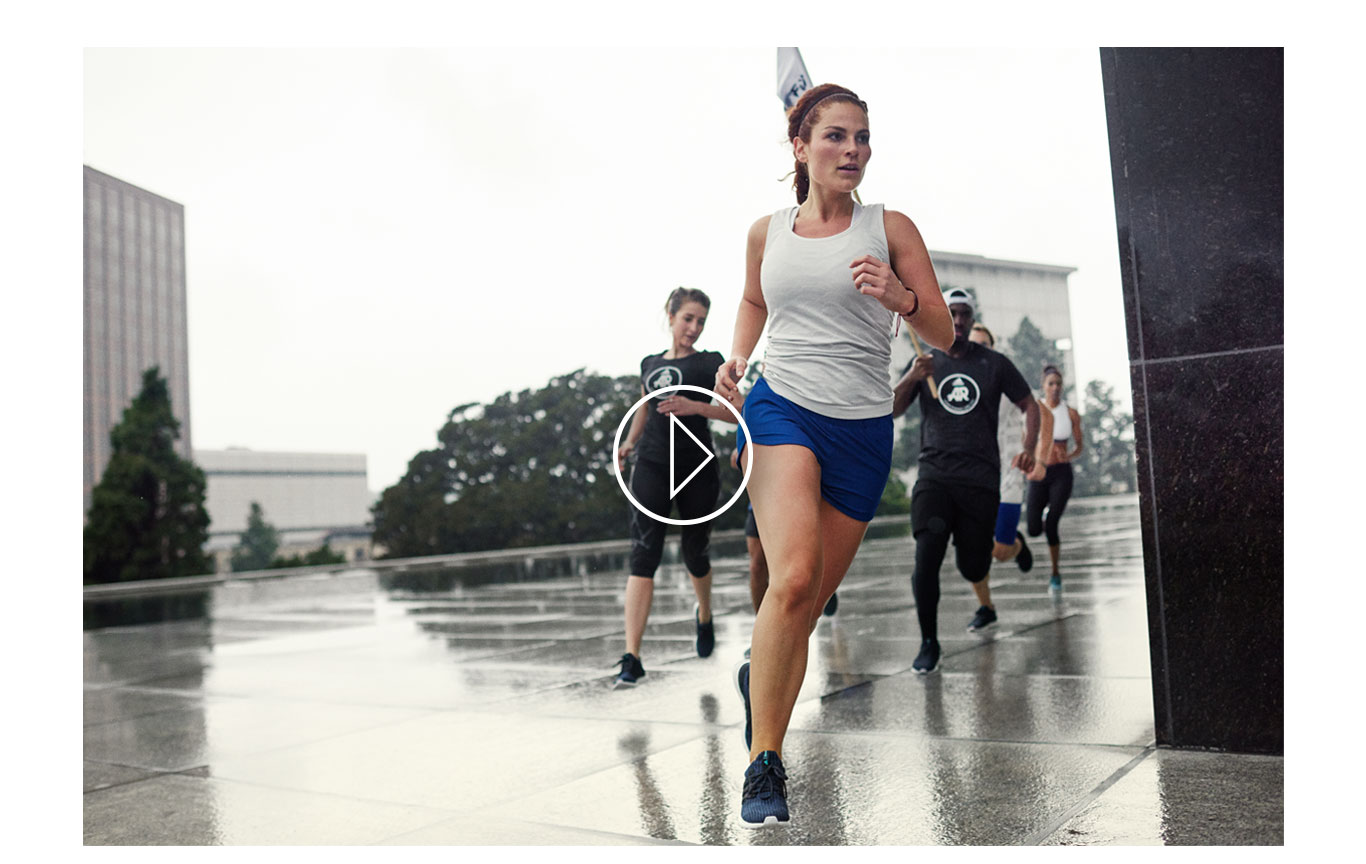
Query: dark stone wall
column 1196, row 154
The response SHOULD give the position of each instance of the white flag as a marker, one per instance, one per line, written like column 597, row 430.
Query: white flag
column 792, row 78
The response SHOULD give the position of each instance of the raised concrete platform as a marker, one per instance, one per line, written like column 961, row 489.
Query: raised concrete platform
column 328, row 711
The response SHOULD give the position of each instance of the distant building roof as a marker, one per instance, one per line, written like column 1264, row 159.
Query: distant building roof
column 981, row 260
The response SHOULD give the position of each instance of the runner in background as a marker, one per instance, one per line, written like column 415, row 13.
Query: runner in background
column 1050, row 483
column 1009, row 543
column 648, row 441
column 958, row 481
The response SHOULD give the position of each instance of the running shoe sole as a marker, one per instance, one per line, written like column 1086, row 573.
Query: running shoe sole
column 735, row 679
column 771, row 820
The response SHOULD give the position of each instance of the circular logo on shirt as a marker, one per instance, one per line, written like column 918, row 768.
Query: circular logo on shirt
column 958, row 393
column 663, row 377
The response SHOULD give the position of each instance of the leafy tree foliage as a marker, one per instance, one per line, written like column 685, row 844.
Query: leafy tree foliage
column 1030, row 351
column 528, row 469
column 906, row 448
column 258, row 544
column 321, row 556
column 1107, row 463
column 147, row 518
column 896, row 498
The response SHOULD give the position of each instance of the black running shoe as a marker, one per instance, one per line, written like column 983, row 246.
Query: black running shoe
column 1025, row 559
column 741, row 679
column 706, row 633
column 764, row 799
column 631, row 671
column 831, row 605
column 985, row 617
column 928, row 659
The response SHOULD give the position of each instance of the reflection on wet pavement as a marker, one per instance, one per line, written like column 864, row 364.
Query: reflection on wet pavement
column 430, row 710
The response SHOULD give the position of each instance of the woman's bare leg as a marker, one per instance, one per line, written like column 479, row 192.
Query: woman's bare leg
column 785, row 490
column 639, row 593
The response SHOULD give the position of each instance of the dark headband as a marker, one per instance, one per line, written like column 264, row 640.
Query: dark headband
column 816, row 102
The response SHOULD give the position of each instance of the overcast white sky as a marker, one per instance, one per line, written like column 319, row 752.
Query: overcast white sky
column 376, row 236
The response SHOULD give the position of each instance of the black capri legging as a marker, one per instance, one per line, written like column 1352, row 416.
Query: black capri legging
column 650, row 486
column 1052, row 491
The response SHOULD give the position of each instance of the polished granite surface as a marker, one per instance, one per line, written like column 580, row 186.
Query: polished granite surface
column 346, row 714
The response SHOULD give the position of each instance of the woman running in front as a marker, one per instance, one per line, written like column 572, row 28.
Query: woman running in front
column 830, row 278
column 1051, row 483
column 649, row 439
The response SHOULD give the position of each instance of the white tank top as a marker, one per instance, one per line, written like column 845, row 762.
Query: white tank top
column 1062, row 421
column 829, row 347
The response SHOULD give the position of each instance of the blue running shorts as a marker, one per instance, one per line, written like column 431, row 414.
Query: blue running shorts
column 1007, row 523
column 855, row 455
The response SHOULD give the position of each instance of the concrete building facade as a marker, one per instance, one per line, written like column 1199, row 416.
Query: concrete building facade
column 1007, row 292
column 310, row 498
column 135, row 315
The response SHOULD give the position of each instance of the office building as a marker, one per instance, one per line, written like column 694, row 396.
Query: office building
column 310, row 499
column 134, row 309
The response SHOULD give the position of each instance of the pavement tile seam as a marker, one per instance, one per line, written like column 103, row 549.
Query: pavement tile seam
column 148, row 774
column 1087, row 800
column 601, row 836
column 137, row 715
column 211, row 779
column 440, row 814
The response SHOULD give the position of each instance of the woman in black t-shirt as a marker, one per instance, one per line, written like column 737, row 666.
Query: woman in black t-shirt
column 649, row 441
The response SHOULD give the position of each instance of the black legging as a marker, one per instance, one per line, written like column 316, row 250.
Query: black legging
column 1053, row 491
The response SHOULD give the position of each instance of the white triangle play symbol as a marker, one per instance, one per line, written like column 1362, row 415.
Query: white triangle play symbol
column 674, row 421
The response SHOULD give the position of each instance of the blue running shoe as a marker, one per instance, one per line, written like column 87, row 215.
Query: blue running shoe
column 1055, row 583
column 764, row 799
column 742, row 687
column 631, row 671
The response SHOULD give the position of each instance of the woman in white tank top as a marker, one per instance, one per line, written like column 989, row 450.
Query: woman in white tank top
column 831, row 297
column 1050, row 483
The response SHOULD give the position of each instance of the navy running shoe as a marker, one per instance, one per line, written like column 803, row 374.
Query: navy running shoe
column 928, row 659
column 631, row 671
column 1024, row 558
column 764, row 799
column 831, row 605
column 742, row 687
column 985, row 617
column 706, row 633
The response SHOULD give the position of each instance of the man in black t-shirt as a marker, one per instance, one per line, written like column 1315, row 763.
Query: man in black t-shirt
column 958, row 486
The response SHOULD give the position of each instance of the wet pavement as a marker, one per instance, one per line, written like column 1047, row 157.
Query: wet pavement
column 328, row 710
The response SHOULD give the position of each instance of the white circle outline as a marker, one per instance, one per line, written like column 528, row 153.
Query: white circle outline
column 749, row 460
column 960, row 411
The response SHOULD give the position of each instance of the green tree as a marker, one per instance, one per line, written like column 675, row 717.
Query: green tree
column 529, row 468
column 1107, row 463
column 147, row 518
column 321, row 556
column 257, row 545
column 906, row 449
column 895, row 497
column 1030, row 351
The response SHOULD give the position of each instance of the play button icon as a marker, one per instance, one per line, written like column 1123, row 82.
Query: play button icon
column 675, row 423
column 691, row 440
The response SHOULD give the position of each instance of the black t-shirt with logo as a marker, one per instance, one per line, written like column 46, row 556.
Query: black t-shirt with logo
column 958, row 433
column 697, row 369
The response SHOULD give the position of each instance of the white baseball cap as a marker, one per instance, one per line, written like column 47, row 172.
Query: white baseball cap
column 958, row 295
